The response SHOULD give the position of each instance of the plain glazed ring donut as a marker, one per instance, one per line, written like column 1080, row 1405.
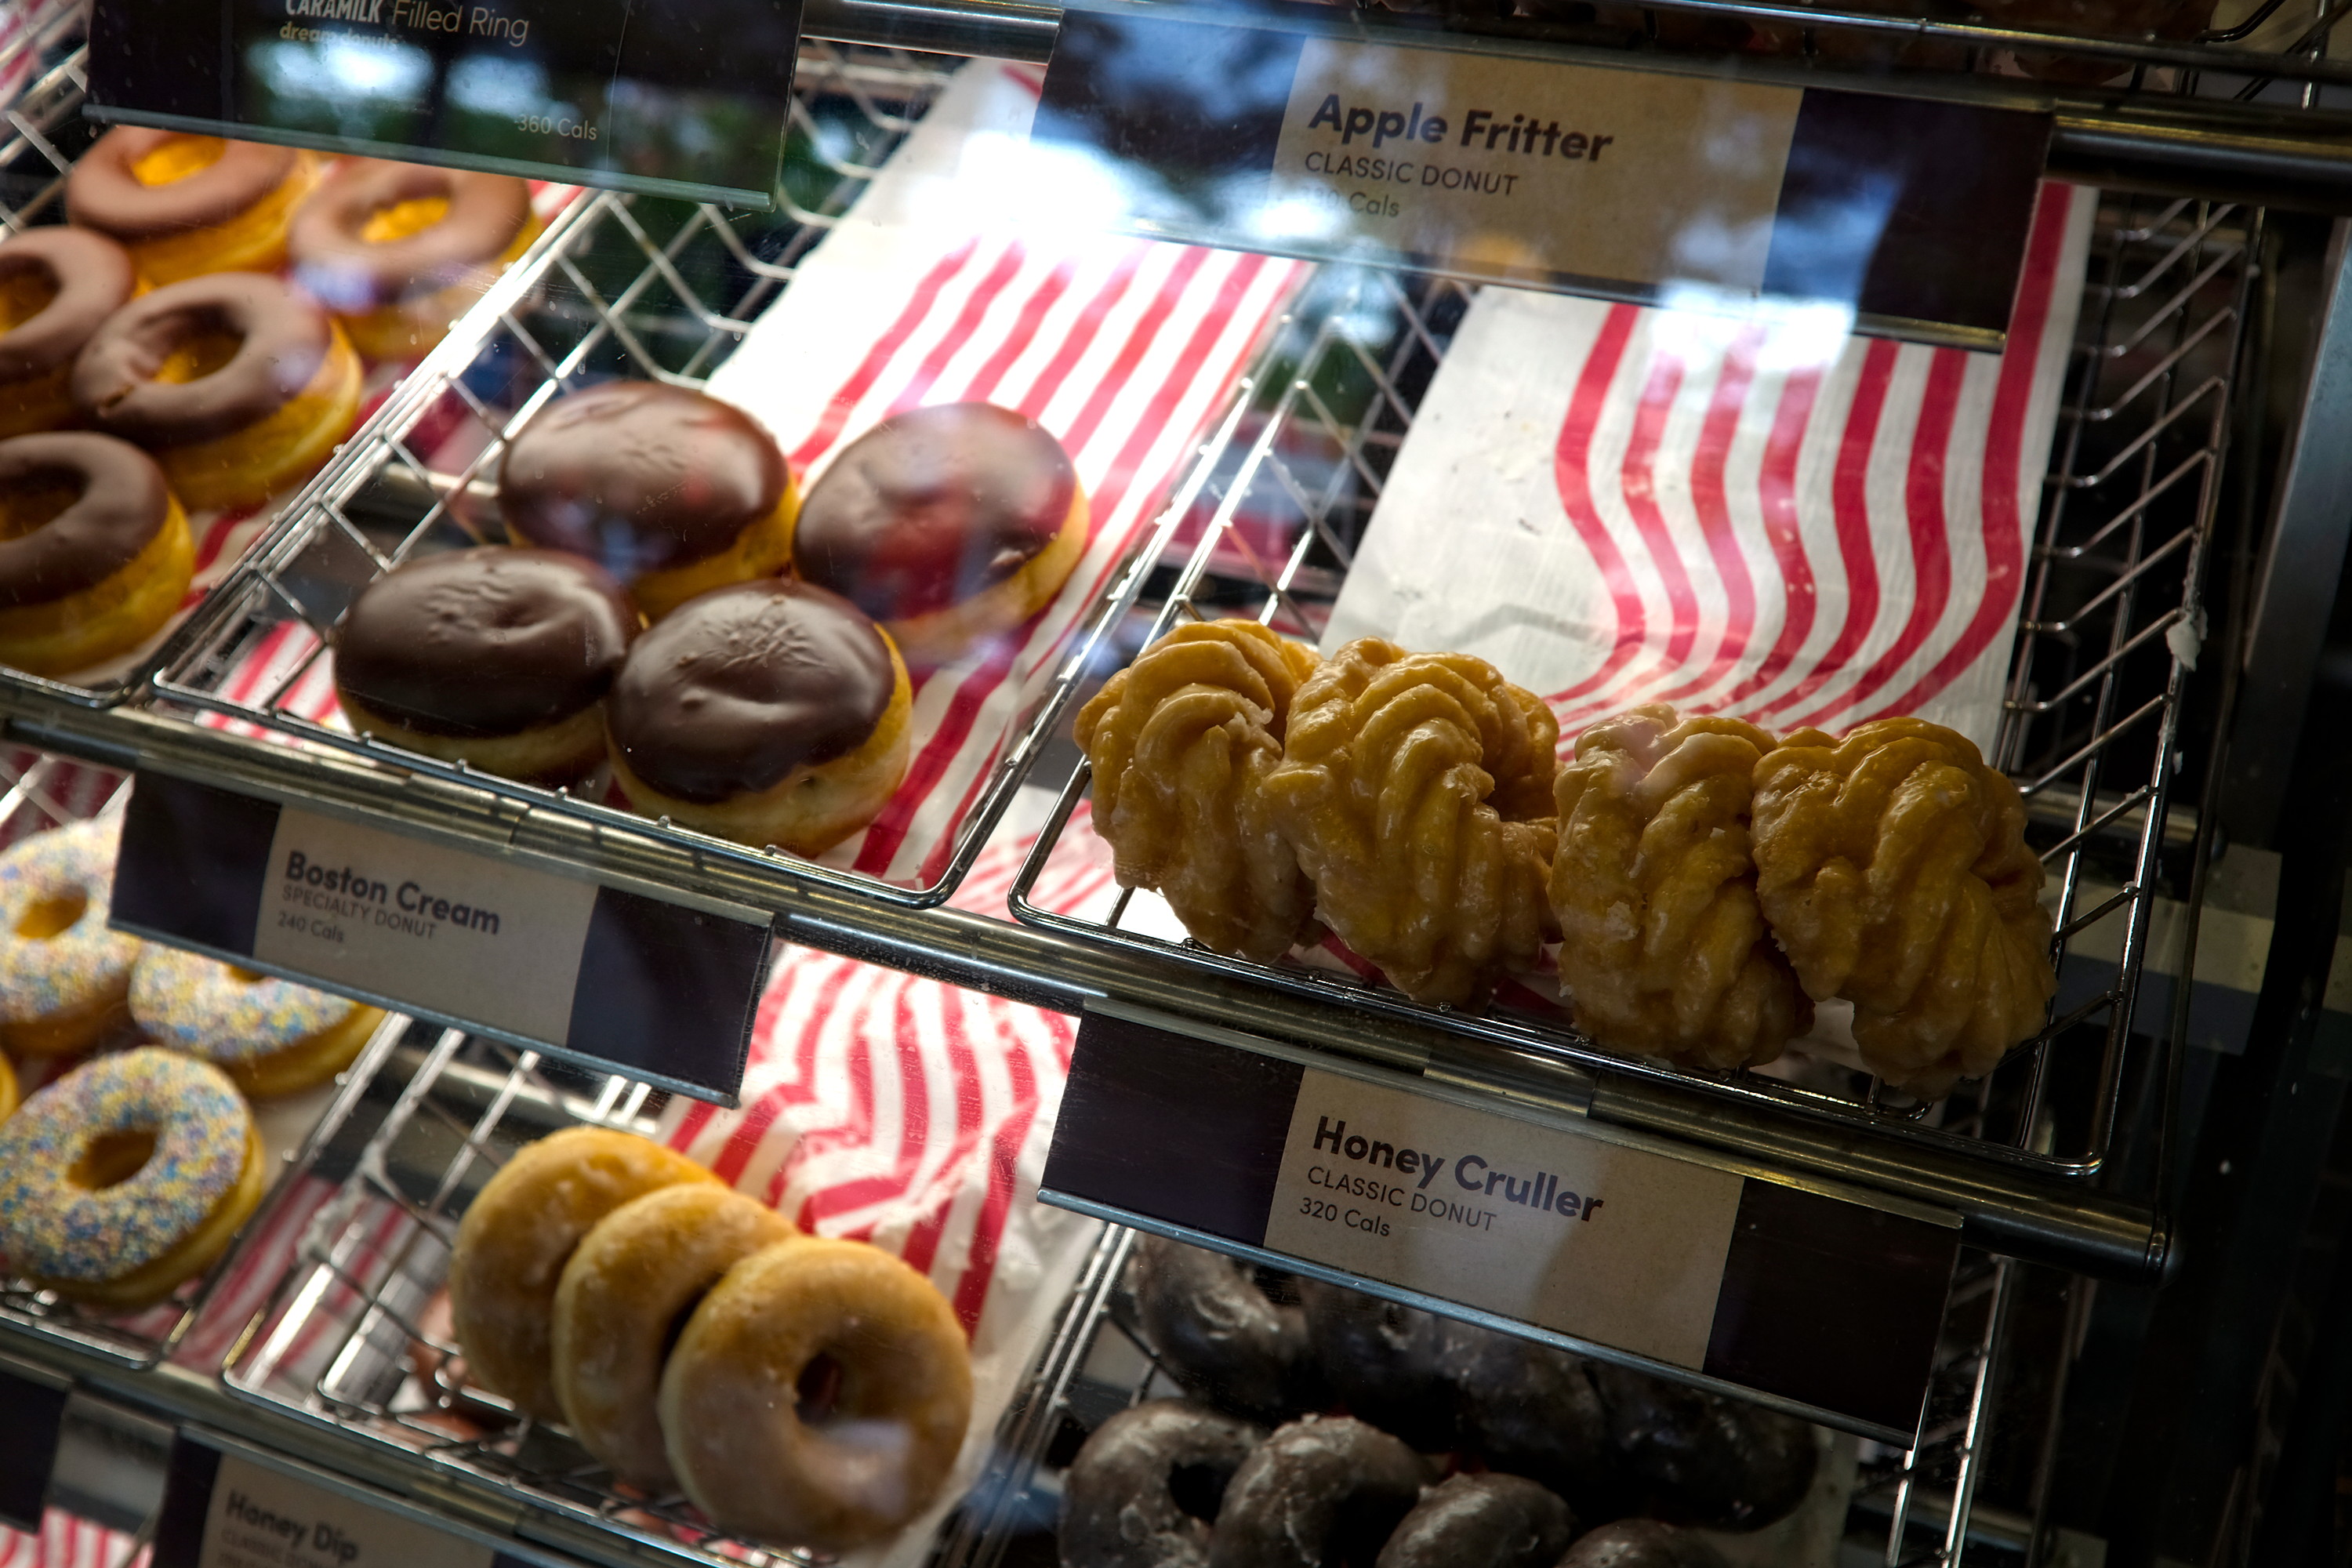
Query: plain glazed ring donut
column 1493, row 1521
column 238, row 384
column 818, row 1396
column 1227, row 1342
column 517, row 1235
column 270, row 1036
column 1323, row 1491
column 185, row 204
column 1145, row 1488
column 95, row 552
column 65, row 978
column 633, row 1280
column 126, row 1176
column 57, row 284
column 399, row 251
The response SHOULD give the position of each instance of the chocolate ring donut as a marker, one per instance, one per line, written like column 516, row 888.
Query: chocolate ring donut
column 105, row 193
column 334, row 259
column 1389, row 1363
column 1318, row 1493
column 1642, row 1543
column 485, row 642
column 1703, row 1460
column 123, row 503
column 282, row 340
column 1220, row 1335
column 1531, row 1409
column 1144, row 1490
column 1493, row 1521
column 89, row 276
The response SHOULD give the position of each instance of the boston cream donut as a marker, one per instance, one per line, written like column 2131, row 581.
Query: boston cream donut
column 57, row 284
column 126, row 1176
column 675, row 492
column 949, row 525
column 270, row 1036
column 95, row 553
column 519, row 1234
column 239, row 384
column 496, row 657
column 188, row 205
column 401, row 251
column 769, row 712
column 65, row 978
column 818, row 1395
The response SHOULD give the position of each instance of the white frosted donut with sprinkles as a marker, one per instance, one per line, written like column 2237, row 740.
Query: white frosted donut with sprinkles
column 64, row 977
column 126, row 1176
column 271, row 1036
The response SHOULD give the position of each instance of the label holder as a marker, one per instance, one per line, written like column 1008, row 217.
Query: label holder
column 32, row 1421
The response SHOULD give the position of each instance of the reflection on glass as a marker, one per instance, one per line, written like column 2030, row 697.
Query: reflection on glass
column 344, row 84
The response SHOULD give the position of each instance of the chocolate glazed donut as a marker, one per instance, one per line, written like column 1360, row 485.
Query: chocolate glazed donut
column 1324, row 1492
column 86, row 278
column 1532, row 1409
column 1220, row 1336
column 122, row 505
column 104, row 193
column 283, row 339
column 1144, row 1490
column 351, row 273
column 1703, row 1459
column 1488, row 1521
column 1390, row 1365
column 1642, row 1543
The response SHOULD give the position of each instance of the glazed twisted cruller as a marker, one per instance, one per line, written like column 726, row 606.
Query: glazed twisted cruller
column 1417, row 789
column 1182, row 741
column 1894, row 868
column 1662, row 948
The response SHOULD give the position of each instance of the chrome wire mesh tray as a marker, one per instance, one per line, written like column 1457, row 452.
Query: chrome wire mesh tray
column 2106, row 632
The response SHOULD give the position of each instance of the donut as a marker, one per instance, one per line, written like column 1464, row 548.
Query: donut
column 1698, row 1459
column 1224, row 1339
column 187, row 205
column 57, row 284
column 1493, row 1521
column 239, row 384
column 499, row 658
column 1416, row 789
column 950, row 525
column 1145, row 1488
column 769, row 712
column 1531, row 1409
column 634, row 1276
column 1642, row 1543
column 518, row 1233
column 399, row 251
column 65, row 978
column 1180, row 743
column 270, row 1036
column 126, row 1176
column 1320, row 1493
column 676, row 493
column 95, row 552
column 1389, row 1363
column 818, row 1396
column 7, row 1088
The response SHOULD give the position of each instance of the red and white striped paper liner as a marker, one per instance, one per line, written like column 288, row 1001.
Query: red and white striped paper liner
column 65, row 1542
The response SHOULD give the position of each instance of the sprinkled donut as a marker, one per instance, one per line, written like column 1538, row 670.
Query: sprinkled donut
column 126, row 1176
column 270, row 1036
column 64, row 977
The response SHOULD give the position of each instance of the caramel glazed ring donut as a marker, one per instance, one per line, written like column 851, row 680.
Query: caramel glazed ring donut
column 95, row 553
column 1182, row 741
column 1893, row 869
column 1662, row 947
column 188, row 205
column 519, row 1232
column 1417, row 790
column 759, row 1441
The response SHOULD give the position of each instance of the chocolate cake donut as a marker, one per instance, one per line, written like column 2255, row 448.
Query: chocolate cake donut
column 1642, row 1543
column 1320, row 1493
column 1147, row 1486
column 1390, row 1365
column 95, row 555
column 1694, row 1458
column 496, row 657
column 57, row 284
column 1531, row 1409
column 769, row 712
column 1488, row 1521
column 949, row 525
column 400, row 250
column 1218, row 1334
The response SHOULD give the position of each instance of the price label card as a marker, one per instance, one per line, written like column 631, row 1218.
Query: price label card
column 662, row 990
column 32, row 1412
column 1310, row 136
column 1826, row 1301
column 688, row 98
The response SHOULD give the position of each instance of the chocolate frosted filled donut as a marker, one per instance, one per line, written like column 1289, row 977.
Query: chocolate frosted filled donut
column 947, row 525
column 1642, row 1543
column 1389, row 1363
column 674, row 492
column 1532, row 1409
column 1218, row 1334
column 1145, row 1488
column 1488, row 1521
column 57, row 284
column 1700, row 1458
column 1320, row 1493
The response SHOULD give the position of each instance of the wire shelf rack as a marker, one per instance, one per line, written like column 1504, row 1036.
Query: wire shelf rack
column 2108, row 631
